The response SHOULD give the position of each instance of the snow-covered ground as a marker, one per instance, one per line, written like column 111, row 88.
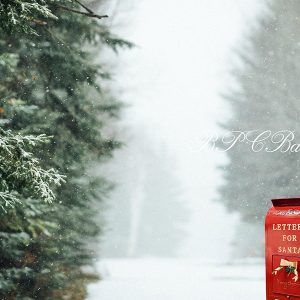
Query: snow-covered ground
column 166, row 279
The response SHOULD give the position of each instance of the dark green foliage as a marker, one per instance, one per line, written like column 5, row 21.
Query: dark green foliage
column 21, row 178
column 54, row 86
column 20, row 171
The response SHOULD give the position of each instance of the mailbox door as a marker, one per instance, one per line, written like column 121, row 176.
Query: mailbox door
column 282, row 282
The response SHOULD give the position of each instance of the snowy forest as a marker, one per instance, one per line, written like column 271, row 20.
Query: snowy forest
column 105, row 192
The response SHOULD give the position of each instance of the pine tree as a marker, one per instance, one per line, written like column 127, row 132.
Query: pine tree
column 23, row 183
column 267, row 98
column 56, row 88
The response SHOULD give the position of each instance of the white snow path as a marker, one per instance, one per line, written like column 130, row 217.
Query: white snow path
column 166, row 279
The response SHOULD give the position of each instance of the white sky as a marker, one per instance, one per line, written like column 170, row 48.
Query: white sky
column 173, row 81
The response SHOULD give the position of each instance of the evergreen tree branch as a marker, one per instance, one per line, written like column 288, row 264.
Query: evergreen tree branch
column 19, row 168
column 8, row 199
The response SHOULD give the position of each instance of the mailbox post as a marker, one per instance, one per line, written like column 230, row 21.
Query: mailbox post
column 283, row 250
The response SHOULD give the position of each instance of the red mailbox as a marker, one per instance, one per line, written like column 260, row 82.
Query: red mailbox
column 283, row 249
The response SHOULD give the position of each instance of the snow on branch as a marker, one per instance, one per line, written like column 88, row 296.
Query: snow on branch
column 23, row 16
column 21, row 172
column 18, row 15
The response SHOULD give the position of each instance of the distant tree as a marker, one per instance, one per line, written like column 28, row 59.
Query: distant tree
column 267, row 97
column 147, row 215
column 163, row 211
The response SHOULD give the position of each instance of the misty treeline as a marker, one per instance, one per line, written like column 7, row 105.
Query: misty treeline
column 53, row 111
column 147, row 215
column 266, row 97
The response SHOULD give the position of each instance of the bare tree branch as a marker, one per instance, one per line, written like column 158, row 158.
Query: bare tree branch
column 88, row 14
column 86, row 8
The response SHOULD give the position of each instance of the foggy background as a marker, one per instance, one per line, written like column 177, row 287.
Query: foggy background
column 183, row 219
column 172, row 82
